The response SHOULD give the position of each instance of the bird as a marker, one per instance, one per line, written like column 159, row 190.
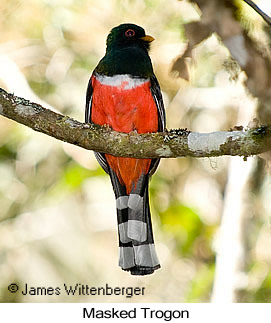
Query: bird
column 124, row 94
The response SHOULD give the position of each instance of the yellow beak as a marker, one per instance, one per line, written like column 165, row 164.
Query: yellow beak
column 147, row 38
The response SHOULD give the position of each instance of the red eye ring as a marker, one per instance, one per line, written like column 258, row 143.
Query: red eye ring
column 129, row 33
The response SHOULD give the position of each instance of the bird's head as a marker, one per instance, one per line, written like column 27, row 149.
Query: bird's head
column 128, row 35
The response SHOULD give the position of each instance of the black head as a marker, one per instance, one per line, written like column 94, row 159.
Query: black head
column 127, row 35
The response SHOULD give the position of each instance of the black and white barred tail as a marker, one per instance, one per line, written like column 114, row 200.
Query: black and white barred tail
column 136, row 245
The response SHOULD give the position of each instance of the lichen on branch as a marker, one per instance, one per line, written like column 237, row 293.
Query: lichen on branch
column 169, row 144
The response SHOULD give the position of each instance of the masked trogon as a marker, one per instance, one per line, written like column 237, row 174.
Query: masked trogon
column 124, row 94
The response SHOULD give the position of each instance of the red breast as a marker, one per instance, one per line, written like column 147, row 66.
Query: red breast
column 125, row 104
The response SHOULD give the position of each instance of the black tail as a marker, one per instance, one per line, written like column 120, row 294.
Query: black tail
column 136, row 245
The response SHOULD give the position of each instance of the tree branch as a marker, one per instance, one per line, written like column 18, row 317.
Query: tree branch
column 259, row 11
column 169, row 144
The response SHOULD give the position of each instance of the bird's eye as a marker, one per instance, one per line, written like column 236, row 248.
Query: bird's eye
column 129, row 33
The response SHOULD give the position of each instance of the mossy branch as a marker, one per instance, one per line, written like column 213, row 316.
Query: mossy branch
column 169, row 144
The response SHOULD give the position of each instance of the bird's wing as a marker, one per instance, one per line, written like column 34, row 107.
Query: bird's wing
column 99, row 156
column 157, row 95
column 158, row 99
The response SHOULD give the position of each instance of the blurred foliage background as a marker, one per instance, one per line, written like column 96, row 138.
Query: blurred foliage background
column 57, row 210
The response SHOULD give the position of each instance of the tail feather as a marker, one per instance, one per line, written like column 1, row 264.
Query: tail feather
column 137, row 222
column 126, row 257
column 136, row 245
column 139, row 255
column 137, row 230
